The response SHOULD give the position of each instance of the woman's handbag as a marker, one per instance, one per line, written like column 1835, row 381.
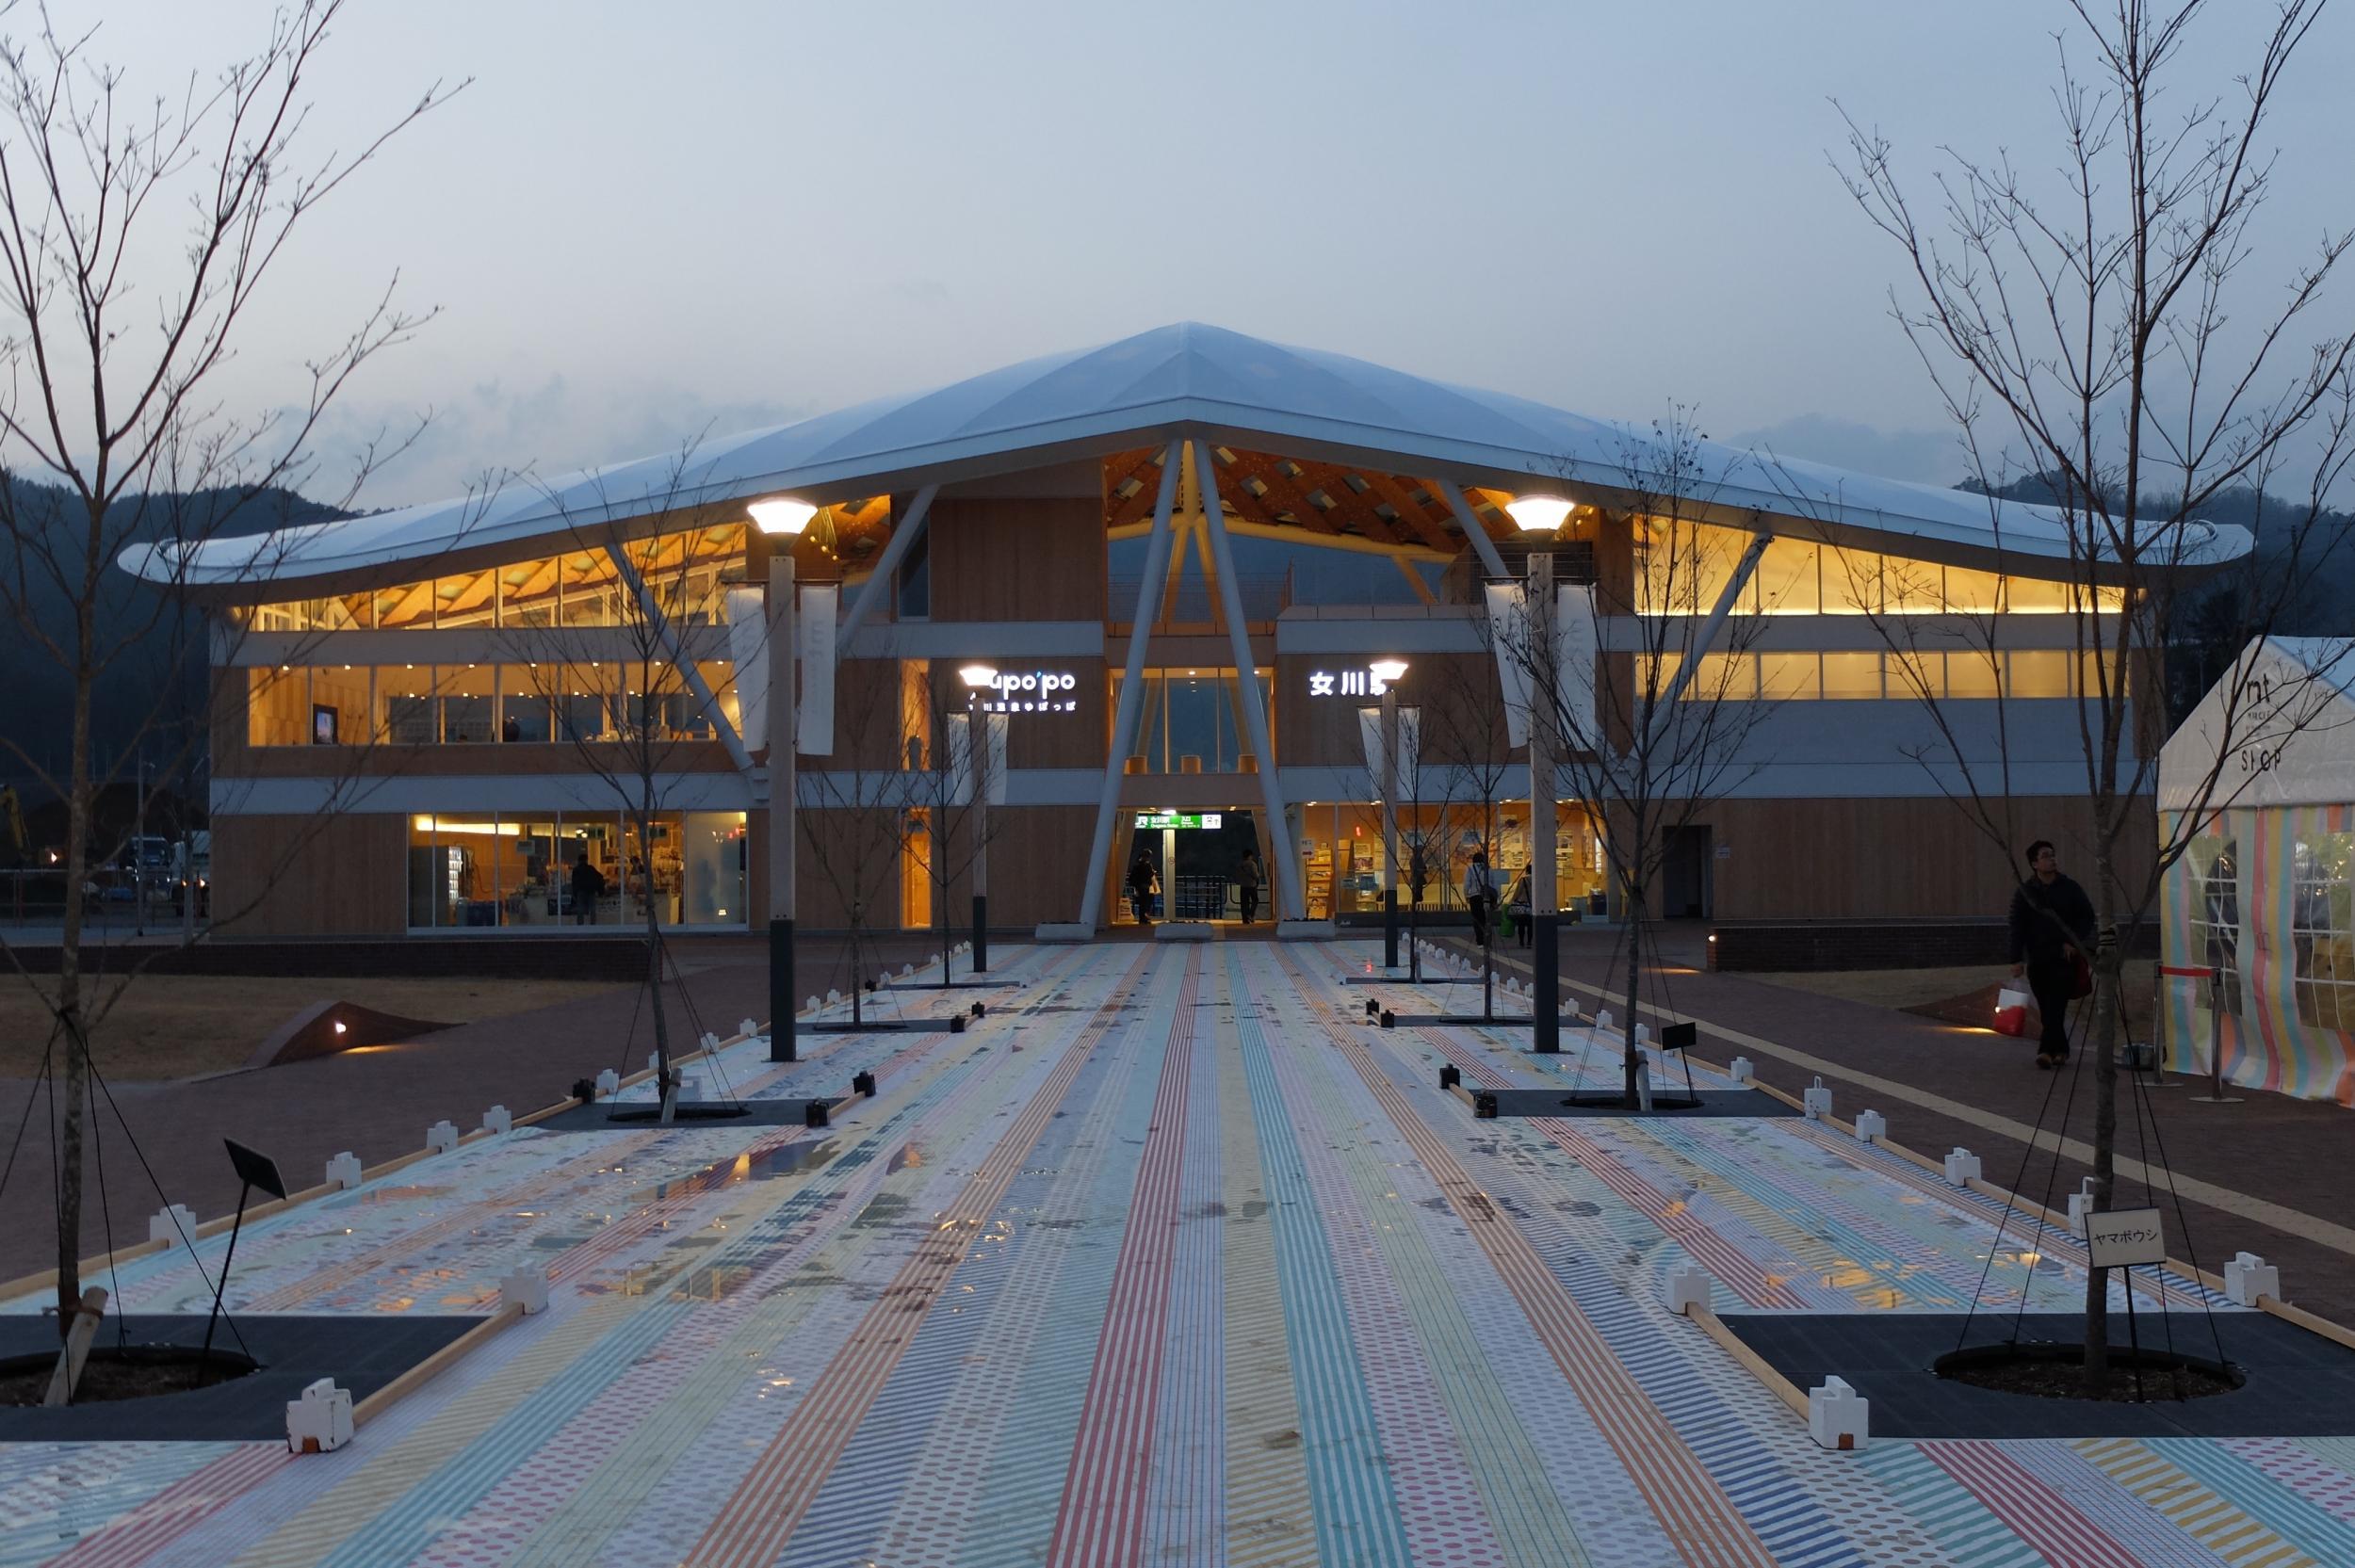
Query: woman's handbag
column 2081, row 979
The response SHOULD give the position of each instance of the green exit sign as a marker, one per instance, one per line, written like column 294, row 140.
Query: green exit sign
column 1179, row 818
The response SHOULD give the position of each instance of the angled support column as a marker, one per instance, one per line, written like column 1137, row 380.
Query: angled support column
column 1294, row 907
column 1132, row 687
column 694, row 677
column 1482, row 544
column 1706, row 638
column 887, row 566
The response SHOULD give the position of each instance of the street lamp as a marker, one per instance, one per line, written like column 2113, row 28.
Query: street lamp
column 781, row 514
column 1390, row 672
column 978, row 678
column 780, row 517
column 1540, row 512
column 1543, row 514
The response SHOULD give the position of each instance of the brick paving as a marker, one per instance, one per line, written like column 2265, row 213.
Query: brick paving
column 1170, row 1259
column 2285, row 1152
column 375, row 1103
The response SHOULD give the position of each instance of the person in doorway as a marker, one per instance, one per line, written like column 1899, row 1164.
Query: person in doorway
column 1480, row 894
column 1143, row 882
column 1517, row 904
column 1247, row 881
column 1418, row 872
column 588, row 888
column 2052, row 932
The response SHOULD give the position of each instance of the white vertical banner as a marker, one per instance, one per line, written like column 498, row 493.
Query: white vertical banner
column 956, row 735
column 996, row 760
column 1576, row 645
column 748, row 646
column 1508, row 631
column 1410, row 747
column 813, row 628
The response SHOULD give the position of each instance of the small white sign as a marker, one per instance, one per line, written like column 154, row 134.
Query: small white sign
column 2124, row 1237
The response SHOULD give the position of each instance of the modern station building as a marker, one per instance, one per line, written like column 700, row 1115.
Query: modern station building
column 434, row 718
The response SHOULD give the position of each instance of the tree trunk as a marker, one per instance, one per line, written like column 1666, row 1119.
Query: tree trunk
column 654, row 954
column 2103, row 1041
column 1633, row 1061
column 858, row 964
column 80, row 802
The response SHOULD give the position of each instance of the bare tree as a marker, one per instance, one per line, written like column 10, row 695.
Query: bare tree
column 1464, row 731
column 2077, row 328
column 630, row 689
column 941, row 832
column 1653, row 728
column 134, row 239
column 854, row 826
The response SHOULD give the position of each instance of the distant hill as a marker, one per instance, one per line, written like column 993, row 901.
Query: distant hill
column 39, row 710
column 2307, row 582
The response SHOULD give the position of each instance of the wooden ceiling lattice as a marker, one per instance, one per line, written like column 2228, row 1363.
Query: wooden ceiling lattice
column 1324, row 499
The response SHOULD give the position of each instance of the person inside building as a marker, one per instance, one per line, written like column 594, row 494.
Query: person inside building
column 1480, row 894
column 1247, row 881
column 2052, row 933
column 588, row 888
column 1143, row 882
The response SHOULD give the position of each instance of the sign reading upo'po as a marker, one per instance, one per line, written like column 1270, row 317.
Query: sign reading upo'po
column 1036, row 691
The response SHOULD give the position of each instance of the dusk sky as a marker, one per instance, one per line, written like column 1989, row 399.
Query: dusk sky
column 644, row 221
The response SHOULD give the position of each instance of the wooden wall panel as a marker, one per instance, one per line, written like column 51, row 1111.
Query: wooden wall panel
column 1075, row 739
column 1847, row 858
column 343, row 874
column 1038, row 858
column 1017, row 559
column 866, row 717
column 1458, row 691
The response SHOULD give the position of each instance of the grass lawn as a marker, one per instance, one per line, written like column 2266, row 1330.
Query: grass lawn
column 179, row 1025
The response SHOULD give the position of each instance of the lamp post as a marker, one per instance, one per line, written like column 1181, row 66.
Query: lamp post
column 782, row 519
column 978, row 679
column 1542, row 515
column 1388, row 672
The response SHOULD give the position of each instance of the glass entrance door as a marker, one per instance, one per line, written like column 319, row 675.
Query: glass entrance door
column 1197, row 861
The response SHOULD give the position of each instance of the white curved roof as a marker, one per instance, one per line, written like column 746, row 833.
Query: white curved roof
column 1187, row 380
column 2278, row 729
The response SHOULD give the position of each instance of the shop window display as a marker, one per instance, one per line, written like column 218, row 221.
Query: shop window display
column 491, row 871
column 2322, row 929
column 2216, row 914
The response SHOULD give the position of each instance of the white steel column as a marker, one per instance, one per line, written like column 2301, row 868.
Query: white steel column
column 1706, row 638
column 1482, row 544
column 1247, row 683
column 886, row 566
column 1133, row 686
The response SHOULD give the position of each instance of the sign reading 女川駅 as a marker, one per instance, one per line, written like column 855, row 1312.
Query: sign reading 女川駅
column 1031, row 691
column 1346, row 683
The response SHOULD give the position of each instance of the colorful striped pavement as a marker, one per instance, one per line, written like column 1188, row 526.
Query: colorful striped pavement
column 1169, row 1259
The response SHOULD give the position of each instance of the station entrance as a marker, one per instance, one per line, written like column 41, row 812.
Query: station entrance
column 1197, row 865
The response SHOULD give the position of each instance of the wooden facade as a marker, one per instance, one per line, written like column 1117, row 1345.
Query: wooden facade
column 1005, row 567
